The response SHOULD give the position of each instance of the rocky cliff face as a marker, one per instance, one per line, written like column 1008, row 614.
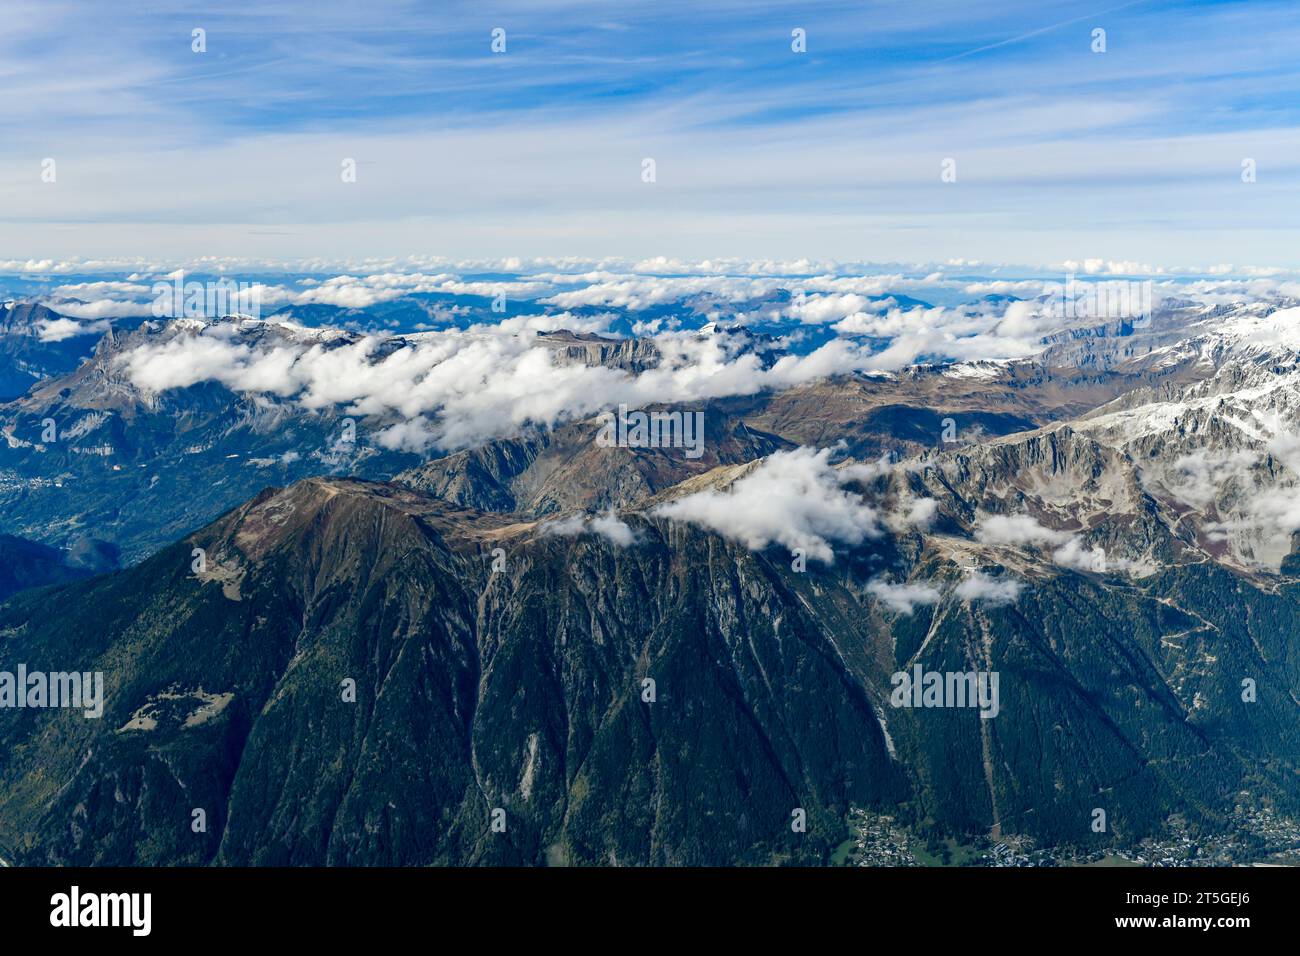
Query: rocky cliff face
column 29, row 353
column 568, row 468
column 524, row 690
column 520, row 690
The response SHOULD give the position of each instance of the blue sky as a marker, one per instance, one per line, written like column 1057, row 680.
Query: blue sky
column 1061, row 153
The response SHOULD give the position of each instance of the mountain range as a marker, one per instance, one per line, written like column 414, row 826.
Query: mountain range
column 540, row 649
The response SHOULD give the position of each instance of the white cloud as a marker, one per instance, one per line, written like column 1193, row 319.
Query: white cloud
column 792, row 498
column 991, row 591
column 1074, row 555
column 921, row 512
column 1263, row 517
column 937, row 334
column 821, row 309
column 644, row 291
column 1068, row 550
column 473, row 385
column 1017, row 529
column 1199, row 477
column 554, row 322
column 98, row 308
column 609, row 526
column 902, row 598
column 413, row 435
column 56, row 330
column 107, row 287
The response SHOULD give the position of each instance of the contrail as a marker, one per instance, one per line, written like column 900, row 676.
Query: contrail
column 1034, row 33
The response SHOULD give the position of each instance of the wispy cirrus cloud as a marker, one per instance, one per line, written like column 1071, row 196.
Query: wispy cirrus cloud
column 760, row 151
